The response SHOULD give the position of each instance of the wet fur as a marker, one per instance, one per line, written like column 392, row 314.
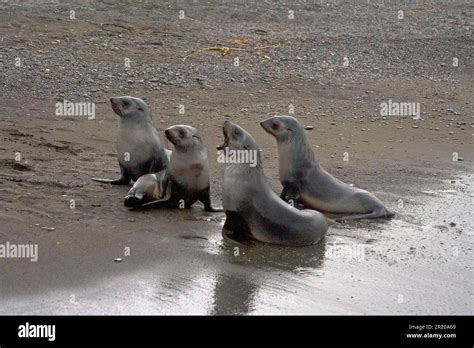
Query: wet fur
column 138, row 137
column 187, row 173
column 306, row 182
column 254, row 211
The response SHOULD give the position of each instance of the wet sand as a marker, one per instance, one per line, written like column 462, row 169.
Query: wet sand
column 418, row 263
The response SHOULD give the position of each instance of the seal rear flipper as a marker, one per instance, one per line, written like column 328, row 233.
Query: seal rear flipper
column 384, row 214
column 205, row 198
column 123, row 180
column 120, row 181
column 388, row 214
column 236, row 228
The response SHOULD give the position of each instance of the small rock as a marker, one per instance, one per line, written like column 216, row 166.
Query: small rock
column 309, row 127
column 131, row 219
column 118, row 259
column 452, row 224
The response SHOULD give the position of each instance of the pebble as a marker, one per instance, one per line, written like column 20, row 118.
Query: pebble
column 131, row 219
column 118, row 259
column 309, row 127
column 48, row 228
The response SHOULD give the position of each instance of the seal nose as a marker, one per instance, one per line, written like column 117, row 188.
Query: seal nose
column 132, row 201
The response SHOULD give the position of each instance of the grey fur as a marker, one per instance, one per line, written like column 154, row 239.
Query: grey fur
column 306, row 182
column 139, row 149
column 253, row 210
column 186, row 179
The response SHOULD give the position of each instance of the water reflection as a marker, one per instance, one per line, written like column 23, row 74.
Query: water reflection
column 237, row 292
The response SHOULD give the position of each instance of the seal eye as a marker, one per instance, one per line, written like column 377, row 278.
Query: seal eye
column 274, row 126
column 125, row 103
column 181, row 133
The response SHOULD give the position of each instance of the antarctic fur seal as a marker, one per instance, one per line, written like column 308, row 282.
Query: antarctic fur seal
column 186, row 179
column 148, row 188
column 253, row 210
column 139, row 148
column 305, row 181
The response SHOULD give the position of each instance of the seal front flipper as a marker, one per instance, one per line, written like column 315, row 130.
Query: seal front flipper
column 205, row 198
column 121, row 181
column 385, row 214
column 236, row 228
column 291, row 195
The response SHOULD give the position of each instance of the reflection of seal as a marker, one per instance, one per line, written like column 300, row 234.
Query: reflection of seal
column 305, row 181
column 139, row 148
column 184, row 182
column 253, row 210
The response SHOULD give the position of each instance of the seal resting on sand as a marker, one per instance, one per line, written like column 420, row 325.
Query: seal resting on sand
column 306, row 182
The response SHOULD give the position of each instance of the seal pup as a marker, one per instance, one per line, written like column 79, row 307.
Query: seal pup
column 184, row 182
column 139, row 148
column 148, row 188
column 253, row 210
column 305, row 181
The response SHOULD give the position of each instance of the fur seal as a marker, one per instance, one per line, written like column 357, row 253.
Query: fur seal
column 305, row 181
column 253, row 210
column 184, row 182
column 148, row 188
column 139, row 148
